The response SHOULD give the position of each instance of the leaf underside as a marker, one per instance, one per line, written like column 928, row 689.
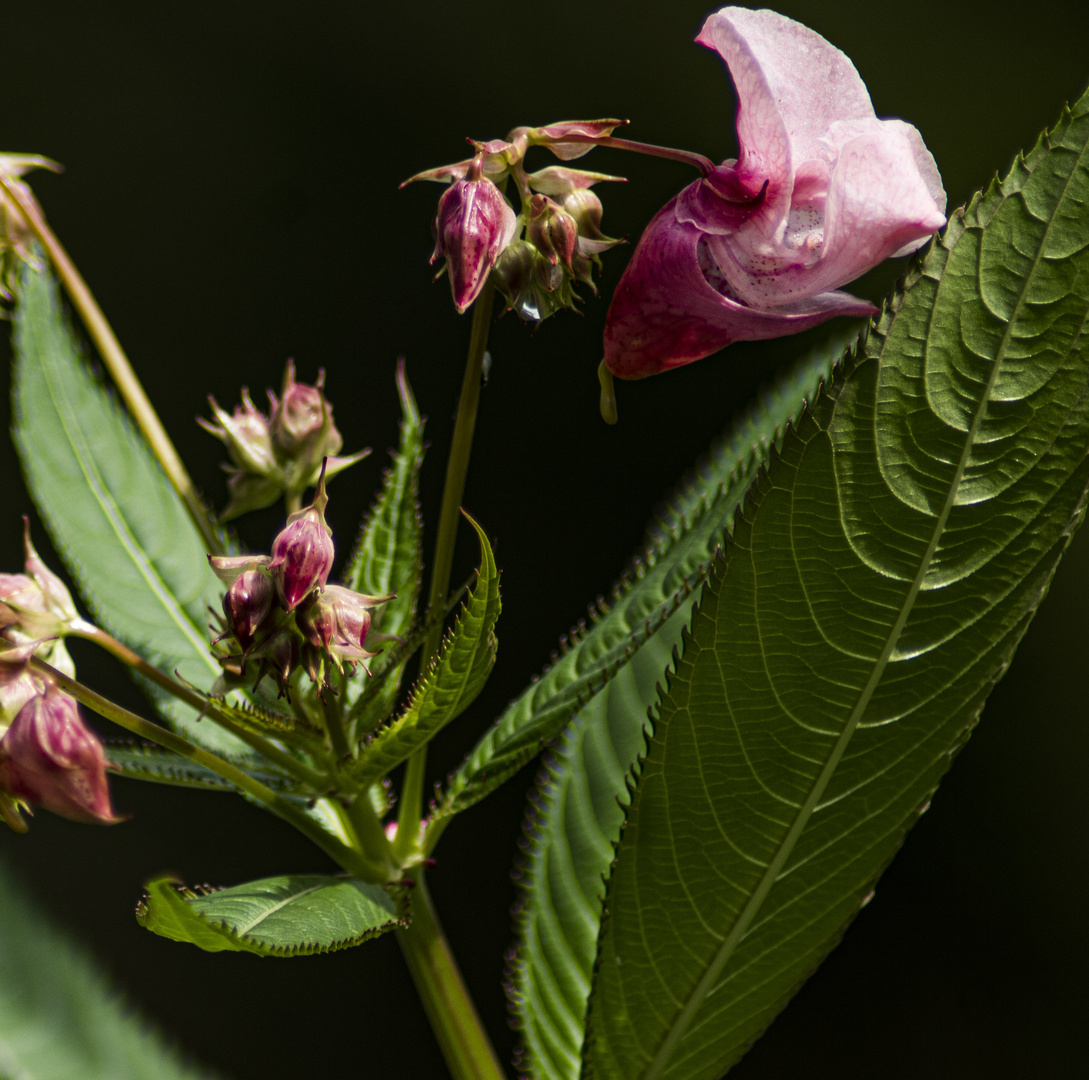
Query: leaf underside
column 59, row 1020
column 576, row 812
column 111, row 512
column 878, row 580
column 290, row 915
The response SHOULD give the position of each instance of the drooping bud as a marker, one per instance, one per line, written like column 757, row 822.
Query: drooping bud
column 552, row 231
column 48, row 757
column 473, row 225
column 247, row 604
column 302, row 554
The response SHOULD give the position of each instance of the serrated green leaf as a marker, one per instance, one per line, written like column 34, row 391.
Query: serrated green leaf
column 291, row 915
column 387, row 557
column 146, row 761
column 655, row 592
column 576, row 812
column 59, row 1019
column 456, row 675
column 115, row 519
column 879, row 579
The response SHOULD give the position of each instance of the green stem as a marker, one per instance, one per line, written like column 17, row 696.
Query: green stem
column 457, row 466
column 355, row 862
column 465, row 1046
column 317, row 781
column 117, row 364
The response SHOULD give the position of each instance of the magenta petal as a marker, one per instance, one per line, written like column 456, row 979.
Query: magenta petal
column 665, row 313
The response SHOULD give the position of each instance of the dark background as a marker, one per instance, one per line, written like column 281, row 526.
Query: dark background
column 231, row 197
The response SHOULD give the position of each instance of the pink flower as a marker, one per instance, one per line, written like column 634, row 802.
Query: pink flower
column 822, row 192
column 48, row 757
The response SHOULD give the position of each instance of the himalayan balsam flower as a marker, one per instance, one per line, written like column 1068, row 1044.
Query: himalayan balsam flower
column 822, row 192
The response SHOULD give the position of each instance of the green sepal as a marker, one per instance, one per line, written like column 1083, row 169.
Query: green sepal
column 454, row 678
column 291, row 915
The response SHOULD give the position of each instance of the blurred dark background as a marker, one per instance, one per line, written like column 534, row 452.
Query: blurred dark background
column 231, row 196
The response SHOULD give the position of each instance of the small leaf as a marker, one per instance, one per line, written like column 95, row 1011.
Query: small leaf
column 113, row 516
column 387, row 556
column 455, row 677
column 59, row 1019
column 876, row 586
column 292, row 915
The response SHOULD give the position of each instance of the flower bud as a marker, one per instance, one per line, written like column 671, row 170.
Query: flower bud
column 50, row 758
column 16, row 239
column 473, row 225
column 513, row 277
column 279, row 655
column 338, row 621
column 551, row 230
column 247, row 604
column 303, row 419
column 37, row 604
column 302, row 554
column 18, row 684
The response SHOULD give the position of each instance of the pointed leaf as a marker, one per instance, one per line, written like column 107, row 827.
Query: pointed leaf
column 146, row 761
column 455, row 677
column 576, row 812
column 292, row 915
column 115, row 519
column 879, row 579
column 656, row 592
column 387, row 556
column 59, row 1020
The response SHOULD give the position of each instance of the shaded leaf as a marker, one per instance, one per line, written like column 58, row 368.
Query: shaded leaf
column 454, row 678
column 654, row 593
column 878, row 581
column 59, row 1019
column 387, row 557
column 291, row 915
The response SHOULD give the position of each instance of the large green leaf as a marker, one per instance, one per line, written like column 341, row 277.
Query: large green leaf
column 110, row 509
column 576, row 812
column 453, row 680
column 387, row 556
column 880, row 576
column 59, row 1020
column 292, row 915
column 654, row 593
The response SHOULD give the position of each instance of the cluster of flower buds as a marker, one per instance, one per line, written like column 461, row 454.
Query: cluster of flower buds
column 281, row 614
column 48, row 757
column 280, row 454
column 534, row 257
column 16, row 240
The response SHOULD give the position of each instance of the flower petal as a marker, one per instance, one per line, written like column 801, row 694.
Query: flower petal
column 666, row 313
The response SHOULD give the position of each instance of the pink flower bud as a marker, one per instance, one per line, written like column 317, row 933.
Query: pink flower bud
column 17, row 683
column 302, row 555
column 338, row 621
column 302, row 420
column 822, row 191
column 279, row 655
column 247, row 604
column 473, row 225
column 552, row 231
column 48, row 757
column 245, row 433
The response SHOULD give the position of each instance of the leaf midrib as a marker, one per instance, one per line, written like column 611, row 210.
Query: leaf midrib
column 98, row 488
column 767, row 881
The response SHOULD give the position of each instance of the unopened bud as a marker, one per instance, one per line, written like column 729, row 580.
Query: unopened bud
column 473, row 225
column 279, row 655
column 247, row 604
column 48, row 757
column 338, row 621
column 552, row 230
column 302, row 554
column 37, row 604
column 303, row 417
